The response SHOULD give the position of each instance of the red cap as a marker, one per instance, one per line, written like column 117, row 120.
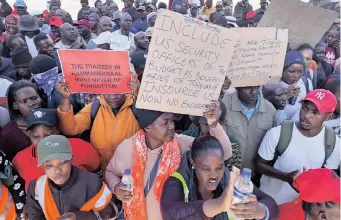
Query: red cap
column 315, row 186
column 55, row 21
column 250, row 14
column 318, row 185
column 83, row 22
column 324, row 100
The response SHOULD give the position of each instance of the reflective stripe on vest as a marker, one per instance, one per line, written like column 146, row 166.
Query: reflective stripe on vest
column 7, row 209
column 51, row 212
column 184, row 185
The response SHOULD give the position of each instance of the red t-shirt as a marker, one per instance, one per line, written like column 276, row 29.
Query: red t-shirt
column 85, row 157
column 330, row 56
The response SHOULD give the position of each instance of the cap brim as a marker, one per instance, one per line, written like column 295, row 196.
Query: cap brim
column 55, row 156
column 318, row 104
column 233, row 23
column 41, row 123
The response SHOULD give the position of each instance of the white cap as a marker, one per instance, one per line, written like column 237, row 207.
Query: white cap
column 232, row 20
column 103, row 38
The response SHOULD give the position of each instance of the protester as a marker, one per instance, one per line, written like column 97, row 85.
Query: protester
column 94, row 20
column 151, row 18
column 138, row 59
column 85, row 14
column 140, row 24
column 113, row 7
column 194, row 11
column 310, row 73
column 116, row 18
column 103, row 40
column 63, row 15
column 21, row 59
column 22, row 99
column 240, row 11
column 44, row 28
column 94, row 10
column 219, row 7
column 21, row 8
column 84, row 30
column 55, row 23
column 158, row 147
column 69, row 38
column 277, row 95
column 293, row 76
column 126, row 23
column 13, row 196
column 29, row 28
column 43, row 123
column 53, row 7
column 11, row 26
column 98, row 4
column 141, row 41
column 297, row 145
column 228, row 10
column 208, row 9
column 324, row 69
column 263, row 6
column 5, row 9
column 130, row 9
column 44, row 45
column 45, row 74
column 248, row 118
column 114, row 113
column 319, row 198
column 203, row 129
column 209, row 188
column 333, row 46
column 84, row 7
column 73, row 193
column 104, row 24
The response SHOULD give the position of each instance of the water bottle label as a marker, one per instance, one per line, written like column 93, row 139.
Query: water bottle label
column 239, row 194
column 127, row 185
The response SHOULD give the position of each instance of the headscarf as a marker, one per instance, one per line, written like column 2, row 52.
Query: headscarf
column 11, row 17
column 6, row 33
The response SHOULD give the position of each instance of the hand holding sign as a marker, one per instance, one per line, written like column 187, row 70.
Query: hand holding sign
column 213, row 114
column 63, row 88
column 134, row 84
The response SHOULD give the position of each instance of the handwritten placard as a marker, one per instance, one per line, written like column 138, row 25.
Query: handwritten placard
column 306, row 23
column 96, row 71
column 186, row 64
column 257, row 57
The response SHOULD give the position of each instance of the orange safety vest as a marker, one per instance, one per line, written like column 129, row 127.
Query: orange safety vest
column 7, row 209
column 51, row 212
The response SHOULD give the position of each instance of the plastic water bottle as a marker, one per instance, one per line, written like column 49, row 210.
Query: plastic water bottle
column 242, row 188
column 127, row 179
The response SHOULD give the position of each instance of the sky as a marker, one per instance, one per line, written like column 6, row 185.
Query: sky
column 73, row 6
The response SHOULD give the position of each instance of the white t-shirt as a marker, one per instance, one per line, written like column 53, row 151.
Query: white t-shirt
column 288, row 112
column 302, row 152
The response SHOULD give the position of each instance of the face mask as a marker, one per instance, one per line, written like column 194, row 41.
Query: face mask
column 47, row 80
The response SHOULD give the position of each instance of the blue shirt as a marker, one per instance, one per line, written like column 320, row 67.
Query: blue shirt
column 139, row 25
column 250, row 112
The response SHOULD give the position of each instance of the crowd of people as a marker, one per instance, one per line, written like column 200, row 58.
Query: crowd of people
column 63, row 156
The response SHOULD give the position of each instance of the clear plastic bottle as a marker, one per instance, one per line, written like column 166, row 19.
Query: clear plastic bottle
column 127, row 179
column 242, row 188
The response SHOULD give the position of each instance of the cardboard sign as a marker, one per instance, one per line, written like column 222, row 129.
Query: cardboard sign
column 257, row 57
column 306, row 23
column 96, row 71
column 186, row 64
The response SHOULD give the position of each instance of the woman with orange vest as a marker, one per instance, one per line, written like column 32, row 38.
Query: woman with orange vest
column 65, row 192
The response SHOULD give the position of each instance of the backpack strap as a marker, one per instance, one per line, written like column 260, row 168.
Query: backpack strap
column 284, row 139
column 183, row 182
column 94, row 110
column 329, row 143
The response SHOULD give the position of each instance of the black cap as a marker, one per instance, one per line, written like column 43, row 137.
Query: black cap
column 138, row 58
column 43, row 116
column 146, row 117
column 21, row 55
